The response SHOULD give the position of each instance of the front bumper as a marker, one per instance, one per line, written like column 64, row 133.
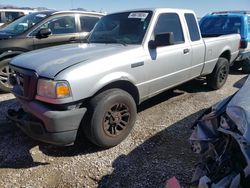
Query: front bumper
column 41, row 122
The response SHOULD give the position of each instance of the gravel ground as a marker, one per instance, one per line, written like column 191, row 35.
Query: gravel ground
column 156, row 150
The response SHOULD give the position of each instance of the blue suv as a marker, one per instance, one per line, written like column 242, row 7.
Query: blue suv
column 228, row 22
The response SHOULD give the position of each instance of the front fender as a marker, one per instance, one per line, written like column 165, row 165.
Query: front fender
column 88, row 87
column 114, row 77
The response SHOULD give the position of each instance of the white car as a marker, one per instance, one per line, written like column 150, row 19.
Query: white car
column 8, row 15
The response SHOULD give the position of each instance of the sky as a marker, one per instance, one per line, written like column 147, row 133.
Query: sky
column 201, row 7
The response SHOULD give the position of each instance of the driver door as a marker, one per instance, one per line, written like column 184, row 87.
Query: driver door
column 169, row 65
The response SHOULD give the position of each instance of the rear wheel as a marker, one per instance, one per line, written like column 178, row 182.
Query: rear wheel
column 111, row 116
column 4, row 75
column 218, row 77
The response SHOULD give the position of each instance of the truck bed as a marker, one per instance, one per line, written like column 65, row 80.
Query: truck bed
column 215, row 46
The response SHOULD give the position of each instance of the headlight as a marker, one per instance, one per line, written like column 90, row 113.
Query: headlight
column 53, row 89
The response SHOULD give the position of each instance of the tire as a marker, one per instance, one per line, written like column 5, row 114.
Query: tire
column 246, row 66
column 110, row 118
column 218, row 77
column 4, row 75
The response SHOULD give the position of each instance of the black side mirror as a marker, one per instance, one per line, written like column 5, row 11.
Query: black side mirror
column 43, row 33
column 161, row 39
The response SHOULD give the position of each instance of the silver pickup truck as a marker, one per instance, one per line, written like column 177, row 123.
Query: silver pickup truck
column 95, row 87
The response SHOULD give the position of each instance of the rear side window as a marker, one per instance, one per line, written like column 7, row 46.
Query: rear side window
column 10, row 16
column 170, row 22
column 88, row 23
column 192, row 27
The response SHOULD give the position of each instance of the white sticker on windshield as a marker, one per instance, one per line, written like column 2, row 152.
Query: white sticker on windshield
column 140, row 15
column 41, row 15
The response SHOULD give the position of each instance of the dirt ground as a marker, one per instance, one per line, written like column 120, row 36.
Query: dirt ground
column 156, row 150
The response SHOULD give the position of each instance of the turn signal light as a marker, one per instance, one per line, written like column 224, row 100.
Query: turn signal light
column 62, row 90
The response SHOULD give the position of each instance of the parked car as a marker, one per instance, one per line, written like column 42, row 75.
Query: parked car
column 220, row 23
column 95, row 87
column 8, row 15
column 39, row 30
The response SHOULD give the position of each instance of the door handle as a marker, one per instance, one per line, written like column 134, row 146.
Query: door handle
column 186, row 51
column 72, row 39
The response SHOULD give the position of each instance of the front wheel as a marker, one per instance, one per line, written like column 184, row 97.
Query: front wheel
column 218, row 77
column 4, row 75
column 111, row 116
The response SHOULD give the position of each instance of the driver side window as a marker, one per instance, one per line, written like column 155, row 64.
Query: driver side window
column 60, row 25
column 170, row 22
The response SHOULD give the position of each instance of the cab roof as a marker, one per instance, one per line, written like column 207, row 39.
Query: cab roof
column 158, row 10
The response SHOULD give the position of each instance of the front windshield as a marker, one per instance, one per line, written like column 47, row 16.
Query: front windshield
column 24, row 23
column 220, row 25
column 124, row 28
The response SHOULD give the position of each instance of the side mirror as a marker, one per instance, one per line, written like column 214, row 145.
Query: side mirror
column 161, row 39
column 43, row 33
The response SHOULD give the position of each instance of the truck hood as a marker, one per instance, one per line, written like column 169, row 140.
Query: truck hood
column 50, row 61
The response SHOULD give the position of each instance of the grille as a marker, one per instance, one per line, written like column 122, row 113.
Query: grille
column 26, row 83
column 20, row 80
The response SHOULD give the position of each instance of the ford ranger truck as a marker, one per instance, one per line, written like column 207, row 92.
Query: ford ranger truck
column 95, row 87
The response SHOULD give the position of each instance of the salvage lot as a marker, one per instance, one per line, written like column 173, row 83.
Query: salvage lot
column 156, row 150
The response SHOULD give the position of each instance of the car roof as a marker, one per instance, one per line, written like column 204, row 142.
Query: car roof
column 55, row 12
column 80, row 12
column 232, row 12
column 239, row 13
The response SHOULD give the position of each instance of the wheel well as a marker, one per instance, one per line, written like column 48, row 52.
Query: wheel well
column 13, row 54
column 124, row 85
column 9, row 56
column 226, row 55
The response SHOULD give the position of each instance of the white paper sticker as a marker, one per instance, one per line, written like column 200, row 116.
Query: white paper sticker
column 140, row 15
